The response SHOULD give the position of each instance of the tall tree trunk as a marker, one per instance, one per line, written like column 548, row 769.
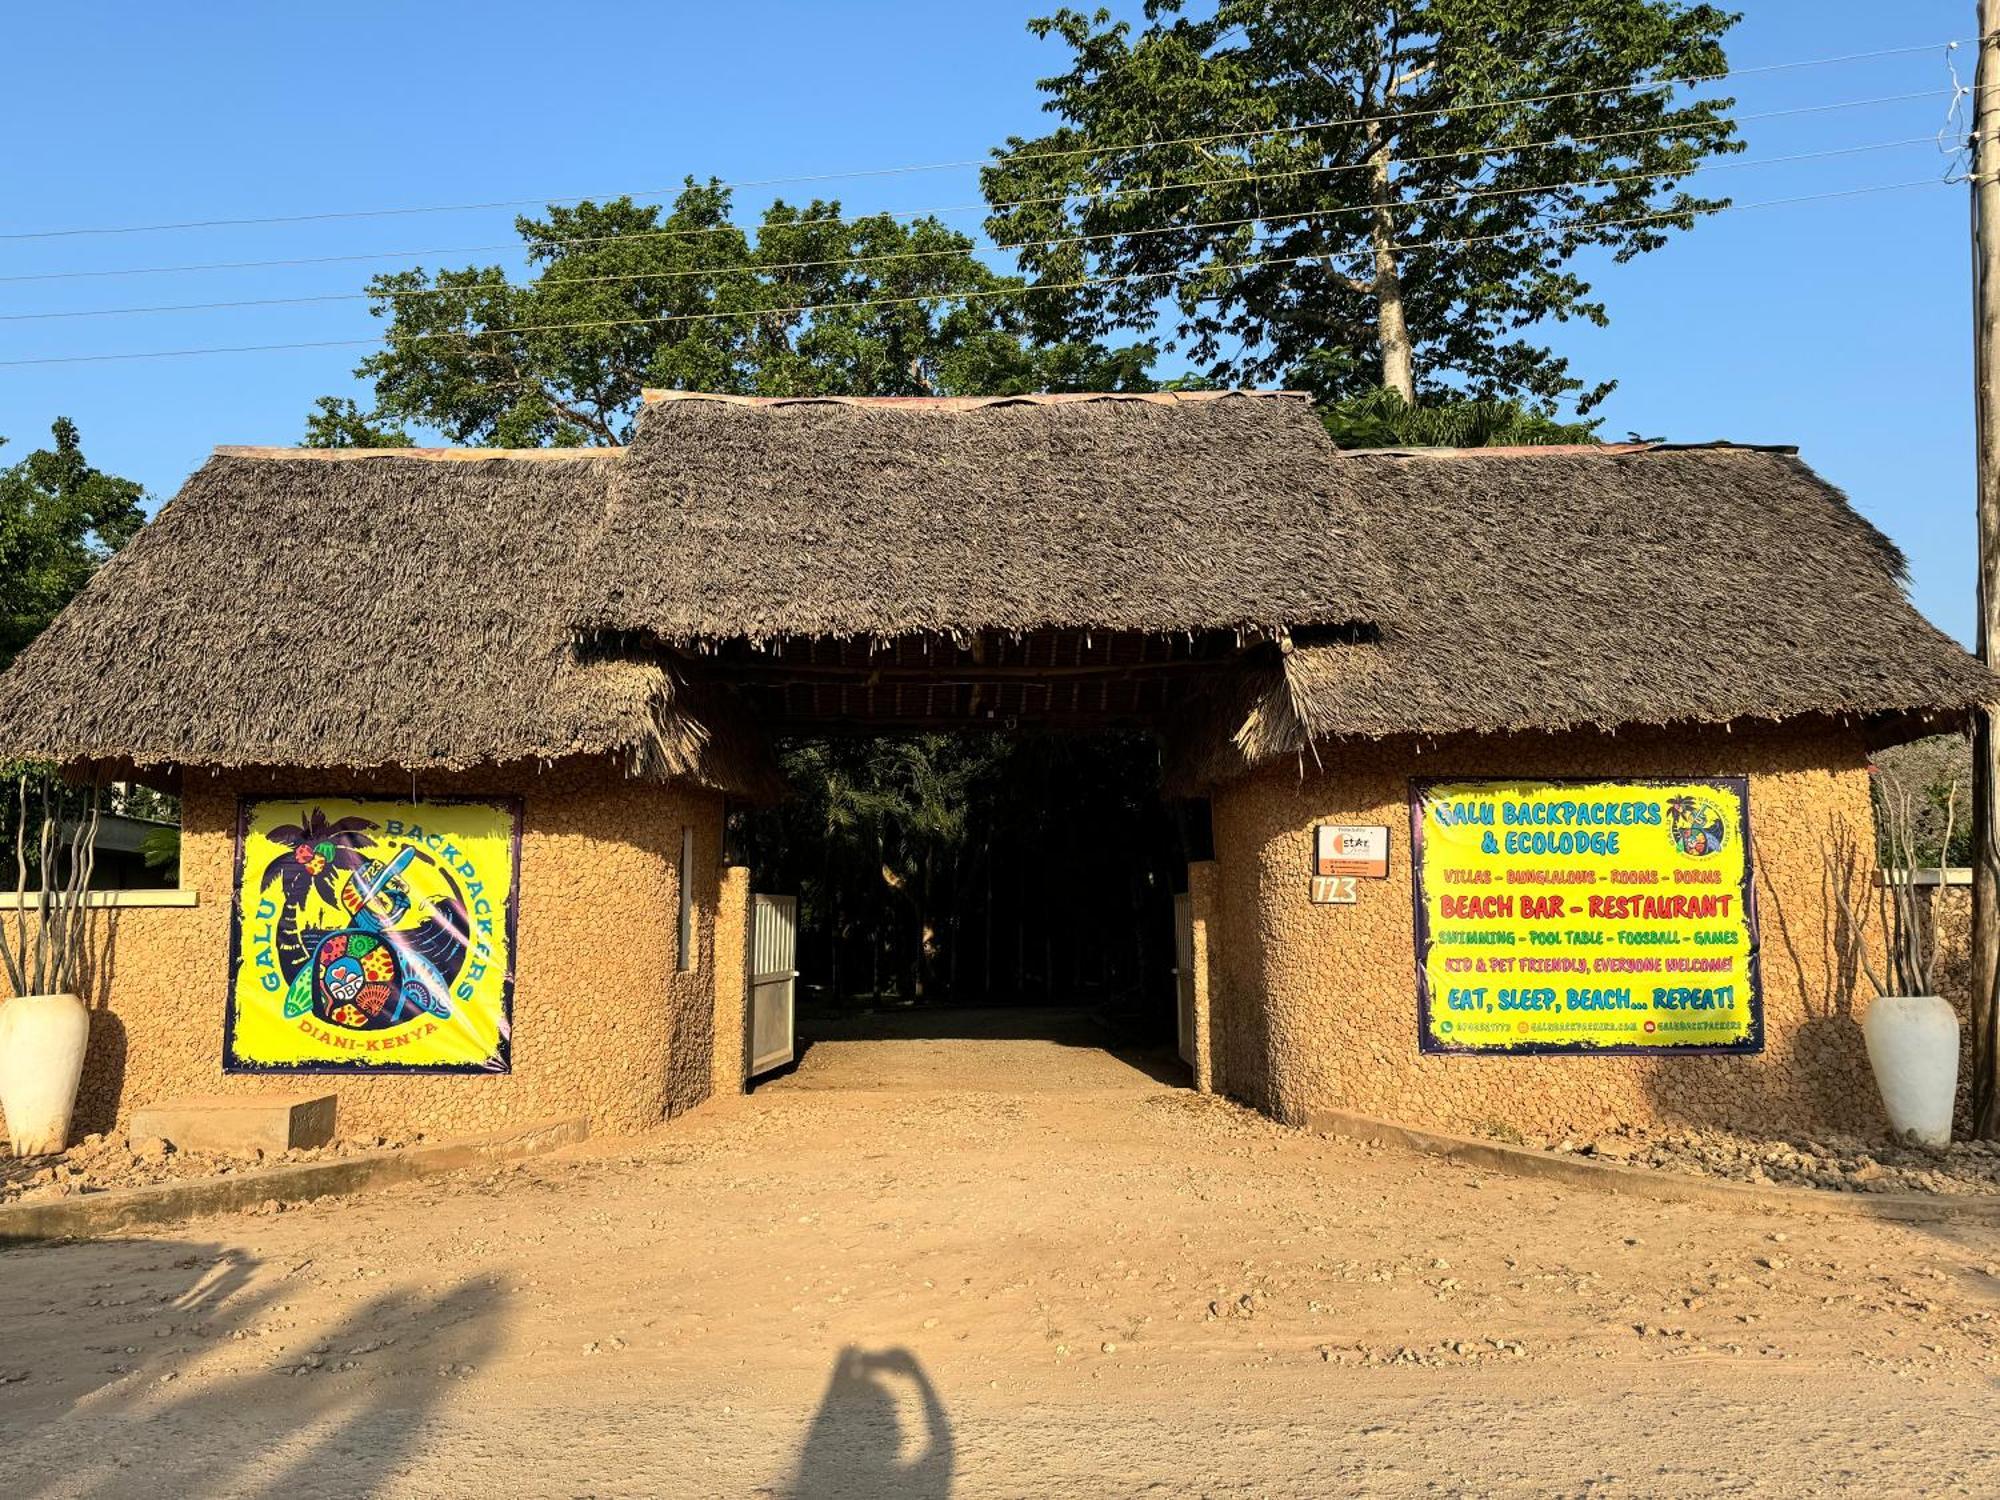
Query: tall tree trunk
column 1986, row 732
column 1392, row 329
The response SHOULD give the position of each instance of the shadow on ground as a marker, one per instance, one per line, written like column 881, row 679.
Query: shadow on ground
column 343, row 1404
column 881, row 1430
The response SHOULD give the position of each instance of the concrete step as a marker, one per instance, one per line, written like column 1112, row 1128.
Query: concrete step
column 239, row 1122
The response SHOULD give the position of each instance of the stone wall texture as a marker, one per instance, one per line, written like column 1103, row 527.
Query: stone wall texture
column 1204, row 910
column 1951, row 909
column 606, row 1024
column 1308, row 1007
column 1316, row 1006
column 731, row 1063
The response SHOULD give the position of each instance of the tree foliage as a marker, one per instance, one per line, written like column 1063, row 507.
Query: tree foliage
column 1408, row 181
column 1934, row 777
column 337, row 422
column 626, row 296
column 1383, row 419
column 60, row 518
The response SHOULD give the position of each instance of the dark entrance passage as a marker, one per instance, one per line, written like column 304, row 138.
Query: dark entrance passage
column 977, row 883
column 978, row 831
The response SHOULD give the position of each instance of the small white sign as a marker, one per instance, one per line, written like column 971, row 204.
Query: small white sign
column 1341, row 849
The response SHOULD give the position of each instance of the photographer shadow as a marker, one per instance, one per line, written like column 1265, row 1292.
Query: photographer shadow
column 859, row 1444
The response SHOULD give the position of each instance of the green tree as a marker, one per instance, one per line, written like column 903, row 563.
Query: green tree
column 1408, row 181
column 336, row 422
column 59, row 520
column 1930, row 782
column 956, row 866
column 627, row 295
column 1382, row 419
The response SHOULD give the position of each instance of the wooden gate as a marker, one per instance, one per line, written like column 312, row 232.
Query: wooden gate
column 774, row 926
column 1184, row 975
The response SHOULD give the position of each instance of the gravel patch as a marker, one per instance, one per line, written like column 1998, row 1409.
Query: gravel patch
column 101, row 1162
column 1841, row 1164
column 1212, row 1115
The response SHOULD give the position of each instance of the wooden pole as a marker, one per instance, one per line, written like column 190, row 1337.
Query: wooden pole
column 1985, row 741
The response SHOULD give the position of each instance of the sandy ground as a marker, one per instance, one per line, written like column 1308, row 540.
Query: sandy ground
column 998, row 1265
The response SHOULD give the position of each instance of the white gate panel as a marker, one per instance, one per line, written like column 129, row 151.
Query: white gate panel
column 774, row 934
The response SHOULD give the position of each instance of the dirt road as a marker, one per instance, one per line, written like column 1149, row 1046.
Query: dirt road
column 977, row 1281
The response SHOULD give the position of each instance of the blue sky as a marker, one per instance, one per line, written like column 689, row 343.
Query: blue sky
column 1840, row 325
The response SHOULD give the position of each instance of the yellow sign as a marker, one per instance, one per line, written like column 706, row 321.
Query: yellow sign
column 1585, row 916
column 372, row 936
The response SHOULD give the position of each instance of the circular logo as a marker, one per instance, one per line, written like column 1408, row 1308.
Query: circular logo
column 1695, row 825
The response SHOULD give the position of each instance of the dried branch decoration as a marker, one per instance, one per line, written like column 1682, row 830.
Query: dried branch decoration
column 1909, row 923
column 45, row 956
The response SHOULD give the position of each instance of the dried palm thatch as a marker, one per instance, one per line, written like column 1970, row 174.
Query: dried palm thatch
column 351, row 609
column 1552, row 589
column 742, row 520
column 343, row 609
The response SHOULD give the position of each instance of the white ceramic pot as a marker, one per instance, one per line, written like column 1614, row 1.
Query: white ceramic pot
column 1913, row 1047
column 42, row 1042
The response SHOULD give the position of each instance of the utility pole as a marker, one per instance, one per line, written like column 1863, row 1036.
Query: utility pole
column 1985, row 741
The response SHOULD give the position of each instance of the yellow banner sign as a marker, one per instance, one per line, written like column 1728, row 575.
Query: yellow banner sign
column 1585, row 916
column 372, row 936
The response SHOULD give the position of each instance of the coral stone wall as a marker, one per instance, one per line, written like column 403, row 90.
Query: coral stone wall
column 730, row 1068
column 605, row 1024
column 1951, row 908
column 1316, row 1006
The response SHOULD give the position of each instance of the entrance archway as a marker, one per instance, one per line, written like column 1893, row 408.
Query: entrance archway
column 981, row 841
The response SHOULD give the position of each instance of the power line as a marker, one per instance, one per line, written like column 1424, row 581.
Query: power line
column 1110, row 195
column 1655, row 85
column 489, row 287
column 1016, row 291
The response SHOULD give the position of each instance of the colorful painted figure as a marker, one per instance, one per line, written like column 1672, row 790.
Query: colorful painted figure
column 1695, row 826
column 397, row 954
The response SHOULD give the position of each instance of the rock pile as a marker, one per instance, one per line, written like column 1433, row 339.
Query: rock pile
column 101, row 1162
column 1841, row 1164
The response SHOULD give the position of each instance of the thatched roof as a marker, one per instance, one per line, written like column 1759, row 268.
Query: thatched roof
column 325, row 608
column 1549, row 589
column 444, row 609
column 756, row 519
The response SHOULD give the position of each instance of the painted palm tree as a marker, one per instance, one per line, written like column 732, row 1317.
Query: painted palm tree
column 314, row 852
